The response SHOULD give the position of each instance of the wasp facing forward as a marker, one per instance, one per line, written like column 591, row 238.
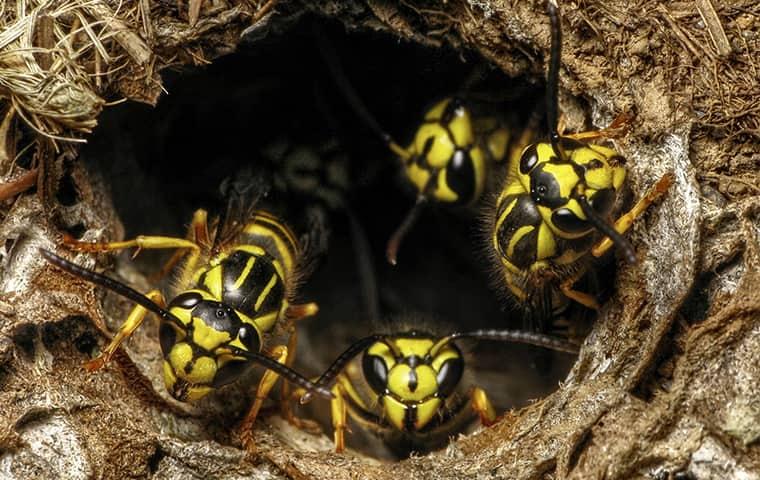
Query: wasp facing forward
column 556, row 198
column 408, row 386
column 234, row 291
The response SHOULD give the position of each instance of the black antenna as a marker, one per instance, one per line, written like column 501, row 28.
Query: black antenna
column 110, row 284
column 328, row 378
column 607, row 229
column 514, row 336
column 552, row 81
column 333, row 64
column 391, row 251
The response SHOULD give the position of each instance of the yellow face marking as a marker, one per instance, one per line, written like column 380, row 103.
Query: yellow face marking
column 446, row 353
column 244, row 274
column 203, row 371
column 426, row 411
column 380, row 349
column 398, row 382
column 265, row 292
column 413, row 346
column 206, row 337
column 436, row 112
column 618, row 177
column 394, row 411
column 197, row 392
column 442, row 192
column 519, row 234
column 418, row 176
column 169, row 378
column 180, row 355
column 441, row 148
column 183, row 314
column 565, row 176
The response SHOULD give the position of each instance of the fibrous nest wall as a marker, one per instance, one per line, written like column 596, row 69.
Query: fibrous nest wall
column 667, row 379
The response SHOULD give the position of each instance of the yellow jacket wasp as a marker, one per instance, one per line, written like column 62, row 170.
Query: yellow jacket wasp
column 407, row 386
column 555, row 202
column 449, row 157
column 234, row 291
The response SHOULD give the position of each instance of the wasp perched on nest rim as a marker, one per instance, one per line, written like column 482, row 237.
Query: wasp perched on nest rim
column 550, row 216
column 450, row 155
column 407, row 387
column 234, row 290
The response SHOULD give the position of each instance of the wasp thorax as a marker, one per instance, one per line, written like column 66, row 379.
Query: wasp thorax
column 203, row 351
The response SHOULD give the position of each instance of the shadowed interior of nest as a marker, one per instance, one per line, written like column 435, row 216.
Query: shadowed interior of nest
column 160, row 164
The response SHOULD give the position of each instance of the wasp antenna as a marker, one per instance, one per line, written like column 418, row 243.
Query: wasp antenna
column 391, row 252
column 552, row 81
column 607, row 229
column 109, row 283
column 327, row 379
column 519, row 336
column 344, row 85
column 286, row 373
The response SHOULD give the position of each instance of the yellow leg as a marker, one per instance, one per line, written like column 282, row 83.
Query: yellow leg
column 301, row 311
column 141, row 242
column 615, row 129
column 279, row 353
column 286, row 397
column 585, row 299
column 135, row 318
column 624, row 222
column 338, row 414
column 197, row 233
column 482, row 406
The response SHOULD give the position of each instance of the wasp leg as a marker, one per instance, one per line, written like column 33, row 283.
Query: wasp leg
column 585, row 299
column 279, row 353
column 197, row 233
column 482, row 406
column 286, row 397
column 625, row 221
column 338, row 414
column 135, row 318
column 615, row 129
column 300, row 311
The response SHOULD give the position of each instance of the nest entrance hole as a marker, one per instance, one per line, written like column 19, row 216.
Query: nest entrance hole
column 160, row 164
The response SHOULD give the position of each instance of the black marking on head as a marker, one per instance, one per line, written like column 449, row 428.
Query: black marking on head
column 566, row 220
column 594, row 164
column 544, row 189
column 571, row 144
column 451, row 110
column 413, row 380
column 375, row 372
column 249, row 337
column 529, row 159
column 449, row 375
column 460, row 175
column 421, row 159
column 167, row 337
column 410, row 417
column 186, row 300
column 218, row 316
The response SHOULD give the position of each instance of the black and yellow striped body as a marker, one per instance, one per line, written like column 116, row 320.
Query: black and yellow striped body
column 449, row 157
column 539, row 231
column 404, row 388
column 234, row 300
